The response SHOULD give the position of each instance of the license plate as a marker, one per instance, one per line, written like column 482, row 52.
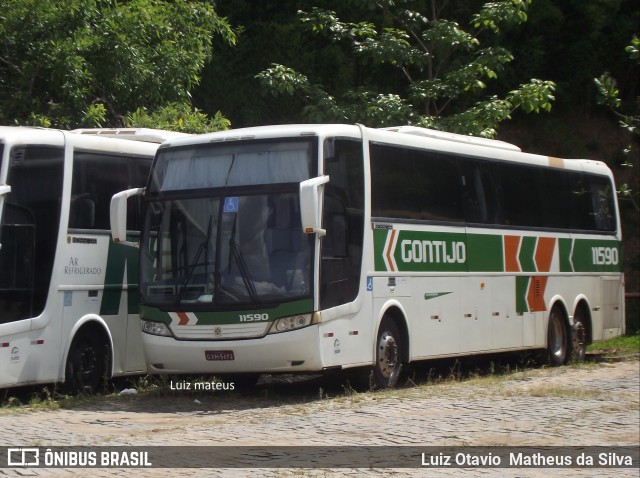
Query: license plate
column 219, row 355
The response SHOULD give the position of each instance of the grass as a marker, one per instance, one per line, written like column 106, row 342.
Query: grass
column 559, row 391
column 620, row 346
column 472, row 370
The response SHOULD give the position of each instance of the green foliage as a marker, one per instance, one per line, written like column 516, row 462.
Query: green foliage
column 177, row 117
column 534, row 96
column 609, row 94
column 88, row 62
column 608, row 91
column 634, row 49
column 628, row 116
column 626, row 345
column 95, row 115
column 443, row 68
column 494, row 14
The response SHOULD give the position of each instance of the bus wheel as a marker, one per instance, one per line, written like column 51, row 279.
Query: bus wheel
column 388, row 355
column 556, row 338
column 86, row 363
column 245, row 383
column 578, row 338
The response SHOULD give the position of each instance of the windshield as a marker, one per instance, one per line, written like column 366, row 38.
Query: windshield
column 239, row 164
column 216, row 242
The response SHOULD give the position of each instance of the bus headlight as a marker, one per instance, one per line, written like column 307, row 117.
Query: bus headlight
column 155, row 328
column 294, row 322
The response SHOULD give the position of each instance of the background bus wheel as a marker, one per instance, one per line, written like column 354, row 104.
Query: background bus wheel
column 87, row 363
column 557, row 342
column 578, row 341
column 389, row 353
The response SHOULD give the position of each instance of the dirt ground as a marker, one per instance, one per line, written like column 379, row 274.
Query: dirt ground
column 594, row 404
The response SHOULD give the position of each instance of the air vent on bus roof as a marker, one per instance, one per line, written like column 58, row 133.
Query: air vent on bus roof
column 458, row 138
column 135, row 134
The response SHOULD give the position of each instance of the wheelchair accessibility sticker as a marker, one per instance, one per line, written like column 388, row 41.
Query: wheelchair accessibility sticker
column 230, row 204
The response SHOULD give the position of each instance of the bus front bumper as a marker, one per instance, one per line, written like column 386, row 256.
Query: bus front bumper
column 287, row 352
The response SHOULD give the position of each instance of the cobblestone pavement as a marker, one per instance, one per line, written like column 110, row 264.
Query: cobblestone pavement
column 589, row 405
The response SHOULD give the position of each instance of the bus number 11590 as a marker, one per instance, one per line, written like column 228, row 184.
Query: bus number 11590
column 253, row 317
column 604, row 256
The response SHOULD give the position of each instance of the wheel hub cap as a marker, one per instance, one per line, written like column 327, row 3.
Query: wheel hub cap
column 388, row 355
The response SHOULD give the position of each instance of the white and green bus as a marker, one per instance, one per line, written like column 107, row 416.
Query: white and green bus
column 309, row 248
column 68, row 295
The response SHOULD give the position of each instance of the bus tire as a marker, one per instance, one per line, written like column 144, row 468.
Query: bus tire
column 578, row 336
column 389, row 353
column 87, row 362
column 245, row 383
column 557, row 340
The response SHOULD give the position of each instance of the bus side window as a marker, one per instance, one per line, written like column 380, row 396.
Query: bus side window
column 343, row 219
column 521, row 196
column 416, row 185
column 96, row 178
column 335, row 222
column 18, row 269
column 481, row 193
column 603, row 204
column 82, row 212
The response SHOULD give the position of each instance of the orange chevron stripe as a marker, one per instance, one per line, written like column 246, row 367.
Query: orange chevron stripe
column 184, row 318
column 390, row 249
column 544, row 253
column 535, row 294
column 511, row 245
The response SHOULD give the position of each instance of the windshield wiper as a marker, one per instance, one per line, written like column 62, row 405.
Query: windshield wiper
column 242, row 265
column 204, row 246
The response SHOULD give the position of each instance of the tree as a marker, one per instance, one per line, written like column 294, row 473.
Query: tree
column 177, row 117
column 440, row 70
column 89, row 62
column 628, row 117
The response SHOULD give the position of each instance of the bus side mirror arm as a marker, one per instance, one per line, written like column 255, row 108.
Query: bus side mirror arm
column 311, row 205
column 118, row 216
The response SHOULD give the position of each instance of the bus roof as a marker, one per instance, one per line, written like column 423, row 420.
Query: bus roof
column 146, row 135
column 25, row 134
column 312, row 129
column 458, row 138
column 135, row 134
column 142, row 144
column 415, row 136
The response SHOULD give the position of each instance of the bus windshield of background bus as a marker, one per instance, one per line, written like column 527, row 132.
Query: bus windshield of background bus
column 223, row 226
column 31, row 216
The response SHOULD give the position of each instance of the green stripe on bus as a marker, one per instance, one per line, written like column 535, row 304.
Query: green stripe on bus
column 596, row 255
column 438, row 251
column 522, row 287
column 119, row 259
column 287, row 309
column 565, row 246
column 527, row 251
column 424, row 251
column 485, row 253
column 379, row 238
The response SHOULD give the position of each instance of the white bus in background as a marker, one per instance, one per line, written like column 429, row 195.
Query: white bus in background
column 310, row 248
column 68, row 295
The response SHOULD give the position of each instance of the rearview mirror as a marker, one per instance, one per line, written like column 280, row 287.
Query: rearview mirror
column 118, row 216
column 311, row 205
